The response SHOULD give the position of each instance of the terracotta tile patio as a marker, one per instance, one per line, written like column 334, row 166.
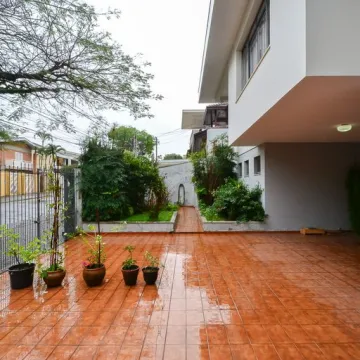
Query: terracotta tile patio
column 224, row 296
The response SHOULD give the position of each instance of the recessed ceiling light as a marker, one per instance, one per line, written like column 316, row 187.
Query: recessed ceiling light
column 344, row 127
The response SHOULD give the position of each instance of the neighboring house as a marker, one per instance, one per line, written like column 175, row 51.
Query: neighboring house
column 20, row 163
column 206, row 125
column 20, row 159
column 290, row 71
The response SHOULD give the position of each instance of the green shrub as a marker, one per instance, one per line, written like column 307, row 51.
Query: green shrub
column 117, row 184
column 211, row 169
column 236, row 201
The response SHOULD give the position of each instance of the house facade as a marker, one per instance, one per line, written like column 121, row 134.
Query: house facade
column 20, row 163
column 206, row 125
column 290, row 71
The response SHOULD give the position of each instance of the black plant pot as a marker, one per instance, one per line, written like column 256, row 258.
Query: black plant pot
column 21, row 276
column 150, row 274
column 130, row 275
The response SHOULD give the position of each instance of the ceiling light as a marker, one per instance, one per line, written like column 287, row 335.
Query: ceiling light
column 344, row 127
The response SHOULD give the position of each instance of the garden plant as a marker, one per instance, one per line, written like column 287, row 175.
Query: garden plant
column 129, row 268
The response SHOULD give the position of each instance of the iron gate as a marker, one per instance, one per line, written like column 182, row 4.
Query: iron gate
column 25, row 205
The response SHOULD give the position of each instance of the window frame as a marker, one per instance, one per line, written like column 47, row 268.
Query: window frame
column 241, row 174
column 247, row 67
column 246, row 168
column 259, row 165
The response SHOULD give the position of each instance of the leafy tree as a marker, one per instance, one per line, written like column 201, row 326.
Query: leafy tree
column 173, row 156
column 103, row 181
column 55, row 60
column 212, row 169
column 132, row 139
column 115, row 183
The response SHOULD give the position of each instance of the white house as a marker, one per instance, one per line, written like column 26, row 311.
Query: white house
column 290, row 71
column 206, row 125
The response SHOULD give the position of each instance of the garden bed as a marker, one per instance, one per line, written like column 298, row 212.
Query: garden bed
column 225, row 225
column 138, row 226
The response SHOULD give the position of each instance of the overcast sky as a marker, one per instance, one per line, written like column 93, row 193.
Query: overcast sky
column 170, row 34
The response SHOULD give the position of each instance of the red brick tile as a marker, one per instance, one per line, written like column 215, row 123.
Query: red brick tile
column 220, row 352
column 265, row 352
column 63, row 352
column 174, row 352
column 115, row 335
column 288, row 352
column 84, row 352
column 15, row 336
column 242, row 352
column 257, row 334
column 237, row 334
column 40, row 352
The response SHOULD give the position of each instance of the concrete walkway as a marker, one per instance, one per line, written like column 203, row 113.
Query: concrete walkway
column 188, row 221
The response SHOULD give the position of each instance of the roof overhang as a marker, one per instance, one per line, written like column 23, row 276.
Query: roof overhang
column 224, row 22
column 309, row 113
column 192, row 119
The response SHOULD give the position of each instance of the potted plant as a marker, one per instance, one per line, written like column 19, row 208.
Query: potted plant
column 21, row 274
column 151, row 271
column 129, row 268
column 54, row 274
column 94, row 269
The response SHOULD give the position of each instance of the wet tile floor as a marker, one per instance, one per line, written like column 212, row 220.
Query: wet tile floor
column 188, row 220
column 220, row 296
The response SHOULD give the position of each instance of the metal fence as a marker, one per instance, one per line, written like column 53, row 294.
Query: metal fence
column 25, row 204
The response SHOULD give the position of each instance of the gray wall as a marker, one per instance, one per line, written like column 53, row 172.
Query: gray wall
column 305, row 184
column 252, row 180
column 176, row 173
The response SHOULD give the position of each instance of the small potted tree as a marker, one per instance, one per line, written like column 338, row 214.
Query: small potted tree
column 151, row 271
column 54, row 274
column 129, row 268
column 21, row 274
column 94, row 269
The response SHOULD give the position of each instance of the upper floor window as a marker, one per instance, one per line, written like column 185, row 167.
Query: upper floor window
column 257, row 42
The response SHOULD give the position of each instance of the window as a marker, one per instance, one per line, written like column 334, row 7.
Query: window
column 257, row 42
column 246, row 165
column 19, row 156
column 257, row 165
column 240, row 170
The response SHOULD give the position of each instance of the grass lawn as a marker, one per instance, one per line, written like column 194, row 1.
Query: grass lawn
column 165, row 215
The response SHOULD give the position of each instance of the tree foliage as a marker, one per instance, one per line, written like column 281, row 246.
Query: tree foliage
column 132, row 139
column 103, row 181
column 173, row 156
column 117, row 183
column 211, row 169
column 55, row 60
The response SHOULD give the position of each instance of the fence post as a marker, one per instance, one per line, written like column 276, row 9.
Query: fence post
column 78, row 199
column 38, row 217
